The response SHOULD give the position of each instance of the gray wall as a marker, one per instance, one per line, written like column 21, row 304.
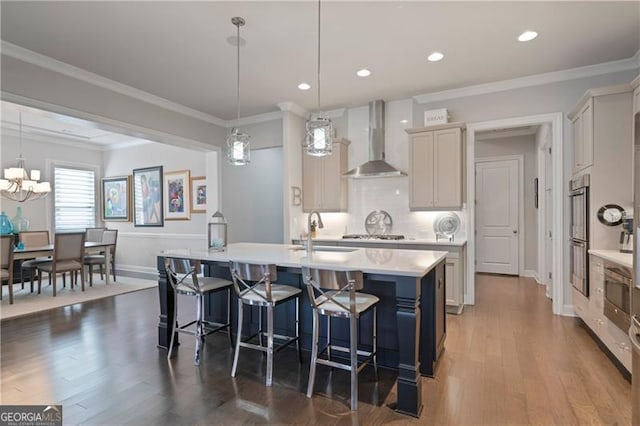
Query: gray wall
column 525, row 146
column 252, row 198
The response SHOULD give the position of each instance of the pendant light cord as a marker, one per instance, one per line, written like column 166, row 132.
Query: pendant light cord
column 318, row 56
column 238, row 64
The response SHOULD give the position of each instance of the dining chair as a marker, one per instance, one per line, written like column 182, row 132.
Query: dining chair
column 254, row 286
column 94, row 235
column 68, row 256
column 110, row 236
column 335, row 294
column 32, row 239
column 6, row 263
column 182, row 275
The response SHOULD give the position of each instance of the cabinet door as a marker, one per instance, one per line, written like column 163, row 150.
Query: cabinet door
column 421, row 171
column 586, row 116
column 452, row 267
column 447, row 166
column 333, row 183
column 576, row 125
column 311, row 182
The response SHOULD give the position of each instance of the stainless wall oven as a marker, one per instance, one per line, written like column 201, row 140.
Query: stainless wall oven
column 579, row 234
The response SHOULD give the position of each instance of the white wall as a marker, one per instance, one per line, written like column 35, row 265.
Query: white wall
column 138, row 246
column 525, row 146
column 252, row 198
column 36, row 152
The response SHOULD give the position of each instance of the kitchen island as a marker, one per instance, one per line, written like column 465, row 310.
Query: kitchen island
column 409, row 283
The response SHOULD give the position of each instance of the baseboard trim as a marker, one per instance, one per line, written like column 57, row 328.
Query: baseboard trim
column 621, row 368
column 135, row 271
column 568, row 311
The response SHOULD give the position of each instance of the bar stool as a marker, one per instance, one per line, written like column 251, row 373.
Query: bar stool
column 341, row 301
column 254, row 287
column 182, row 275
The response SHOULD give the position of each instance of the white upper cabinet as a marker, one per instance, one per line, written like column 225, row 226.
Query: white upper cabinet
column 436, row 164
column 582, row 126
column 324, row 188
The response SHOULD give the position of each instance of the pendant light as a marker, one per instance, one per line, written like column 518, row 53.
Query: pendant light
column 21, row 185
column 319, row 126
column 238, row 142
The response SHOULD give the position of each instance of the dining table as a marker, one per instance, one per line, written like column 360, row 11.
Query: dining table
column 90, row 247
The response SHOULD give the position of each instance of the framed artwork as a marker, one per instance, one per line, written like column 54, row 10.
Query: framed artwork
column 116, row 198
column 147, row 197
column 199, row 194
column 177, row 195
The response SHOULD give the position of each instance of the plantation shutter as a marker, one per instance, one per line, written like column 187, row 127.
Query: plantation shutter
column 75, row 199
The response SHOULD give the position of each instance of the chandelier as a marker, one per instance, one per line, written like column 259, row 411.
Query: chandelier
column 21, row 185
column 238, row 142
column 319, row 127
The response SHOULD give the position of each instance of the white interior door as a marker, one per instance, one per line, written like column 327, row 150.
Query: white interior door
column 497, row 216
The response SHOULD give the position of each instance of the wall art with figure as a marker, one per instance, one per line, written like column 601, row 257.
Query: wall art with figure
column 147, row 196
column 177, row 196
column 116, row 198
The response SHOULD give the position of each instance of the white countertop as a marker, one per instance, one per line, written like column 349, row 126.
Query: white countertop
column 417, row 241
column 624, row 259
column 413, row 263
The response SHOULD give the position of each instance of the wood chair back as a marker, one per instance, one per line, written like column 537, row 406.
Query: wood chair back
column 94, row 235
column 69, row 246
column 34, row 238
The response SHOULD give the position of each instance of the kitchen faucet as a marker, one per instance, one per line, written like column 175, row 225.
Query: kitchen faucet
column 320, row 225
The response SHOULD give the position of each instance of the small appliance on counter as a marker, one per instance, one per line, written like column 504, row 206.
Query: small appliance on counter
column 446, row 225
column 626, row 236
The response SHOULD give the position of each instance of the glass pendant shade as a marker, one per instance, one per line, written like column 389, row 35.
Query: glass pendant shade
column 319, row 136
column 238, row 152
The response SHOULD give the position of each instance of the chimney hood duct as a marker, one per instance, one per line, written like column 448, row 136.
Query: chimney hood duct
column 376, row 166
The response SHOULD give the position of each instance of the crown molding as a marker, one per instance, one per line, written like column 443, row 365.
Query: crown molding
column 294, row 108
column 636, row 82
column 335, row 113
column 533, row 80
column 34, row 58
column 254, row 119
column 11, row 129
column 111, row 125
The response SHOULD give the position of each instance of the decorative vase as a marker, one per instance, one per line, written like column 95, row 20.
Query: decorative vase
column 5, row 224
column 19, row 222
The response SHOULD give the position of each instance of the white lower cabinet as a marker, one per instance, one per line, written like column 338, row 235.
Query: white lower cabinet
column 591, row 311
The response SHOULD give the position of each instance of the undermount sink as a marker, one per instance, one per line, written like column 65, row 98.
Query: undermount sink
column 321, row 249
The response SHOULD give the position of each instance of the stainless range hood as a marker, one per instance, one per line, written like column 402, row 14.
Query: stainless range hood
column 376, row 166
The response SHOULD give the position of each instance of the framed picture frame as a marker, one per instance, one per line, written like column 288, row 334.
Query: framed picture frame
column 177, row 195
column 147, row 197
column 116, row 198
column 198, row 194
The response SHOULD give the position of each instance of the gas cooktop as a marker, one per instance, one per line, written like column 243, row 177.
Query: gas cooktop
column 372, row 237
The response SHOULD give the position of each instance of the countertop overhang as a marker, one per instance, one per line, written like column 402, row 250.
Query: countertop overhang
column 413, row 263
column 407, row 241
column 624, row 259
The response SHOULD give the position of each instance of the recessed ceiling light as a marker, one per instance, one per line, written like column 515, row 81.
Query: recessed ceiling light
column 435, row 57
column 404, row 121
column 304, row 86
column 527, row 36
column 363, row 73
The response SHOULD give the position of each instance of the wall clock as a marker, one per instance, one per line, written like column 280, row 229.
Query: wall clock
column 611, row 214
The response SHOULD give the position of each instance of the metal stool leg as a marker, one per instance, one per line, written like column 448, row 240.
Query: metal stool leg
column 238, row 339
column 260, row 325
column 199, row 332
column 269, row 345
column 314, row 354
column 329, row 338
column 353, row 349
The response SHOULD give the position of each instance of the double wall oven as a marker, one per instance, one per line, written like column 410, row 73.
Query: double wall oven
column 579, row 257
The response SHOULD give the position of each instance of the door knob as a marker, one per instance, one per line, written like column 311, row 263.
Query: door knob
column 515, row 231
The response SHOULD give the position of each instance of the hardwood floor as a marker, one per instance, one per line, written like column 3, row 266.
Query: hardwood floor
column 508, row 360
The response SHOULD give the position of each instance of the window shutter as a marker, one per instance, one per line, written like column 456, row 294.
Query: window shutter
column 75, row 199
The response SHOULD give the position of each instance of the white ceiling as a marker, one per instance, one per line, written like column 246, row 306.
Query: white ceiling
column 179, row 50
